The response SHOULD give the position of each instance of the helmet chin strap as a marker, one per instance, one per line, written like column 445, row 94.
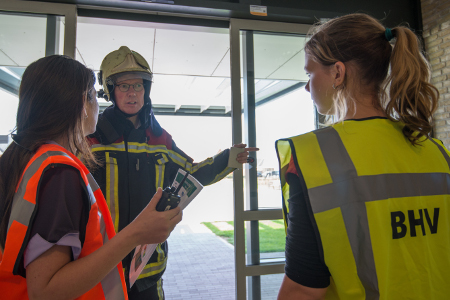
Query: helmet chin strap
column 128, row 115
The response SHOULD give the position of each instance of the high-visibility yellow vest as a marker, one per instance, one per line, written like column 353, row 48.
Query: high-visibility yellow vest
column 381, row 207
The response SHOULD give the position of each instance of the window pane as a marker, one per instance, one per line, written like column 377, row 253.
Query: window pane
column 23, row 40
column 272, row 240
column 282, row 106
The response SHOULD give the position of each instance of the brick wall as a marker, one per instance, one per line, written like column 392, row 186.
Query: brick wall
column 436, row 33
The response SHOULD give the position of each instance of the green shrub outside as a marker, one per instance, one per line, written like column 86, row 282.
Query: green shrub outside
column 272, row 236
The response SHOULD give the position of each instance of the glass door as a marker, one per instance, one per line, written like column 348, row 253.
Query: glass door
column 269, row 102
column 29, row 31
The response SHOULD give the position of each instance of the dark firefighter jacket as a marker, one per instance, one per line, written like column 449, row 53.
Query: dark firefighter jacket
column 135, row 162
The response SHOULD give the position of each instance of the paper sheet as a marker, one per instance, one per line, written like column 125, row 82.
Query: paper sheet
column 142, row 253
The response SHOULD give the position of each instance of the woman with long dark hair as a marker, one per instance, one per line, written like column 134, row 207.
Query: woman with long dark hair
column 56, row 235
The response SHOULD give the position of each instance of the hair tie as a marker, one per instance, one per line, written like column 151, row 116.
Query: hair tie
column 388, row 34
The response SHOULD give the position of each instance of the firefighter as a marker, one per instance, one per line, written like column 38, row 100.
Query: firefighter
column 140, row 156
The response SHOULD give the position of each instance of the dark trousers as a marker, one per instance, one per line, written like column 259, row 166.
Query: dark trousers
column 154, row 292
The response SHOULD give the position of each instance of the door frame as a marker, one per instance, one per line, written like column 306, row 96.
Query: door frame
column 242, row 269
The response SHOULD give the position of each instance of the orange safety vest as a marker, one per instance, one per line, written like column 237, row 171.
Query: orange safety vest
column 99, row 228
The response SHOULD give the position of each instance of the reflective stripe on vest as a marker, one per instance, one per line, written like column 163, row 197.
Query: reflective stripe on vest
column 24, row 201
column 363, row 189
column 24, row 207
column 336, row 191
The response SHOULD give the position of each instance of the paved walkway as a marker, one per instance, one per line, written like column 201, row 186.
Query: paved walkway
column 201, row 266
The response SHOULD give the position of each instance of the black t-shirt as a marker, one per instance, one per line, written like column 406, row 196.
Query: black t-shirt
column 303, row 262
column 63, row 206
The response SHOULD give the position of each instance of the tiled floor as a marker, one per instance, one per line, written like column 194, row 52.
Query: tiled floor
column 201, row 266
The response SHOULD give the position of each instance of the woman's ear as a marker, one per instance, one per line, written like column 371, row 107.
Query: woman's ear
column 85, row 115
column 339, row 73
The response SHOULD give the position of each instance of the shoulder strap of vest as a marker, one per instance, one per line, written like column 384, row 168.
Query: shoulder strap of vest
column 442, row 149
column 335, row 154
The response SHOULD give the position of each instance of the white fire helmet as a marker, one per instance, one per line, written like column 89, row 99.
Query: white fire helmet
column 120, row 65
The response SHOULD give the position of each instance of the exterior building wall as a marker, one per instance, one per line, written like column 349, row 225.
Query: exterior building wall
column 436, row 34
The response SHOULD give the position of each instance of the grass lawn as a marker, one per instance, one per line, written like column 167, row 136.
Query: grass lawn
column 272, row 237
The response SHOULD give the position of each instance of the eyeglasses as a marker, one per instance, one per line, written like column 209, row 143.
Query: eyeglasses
column 124, row 87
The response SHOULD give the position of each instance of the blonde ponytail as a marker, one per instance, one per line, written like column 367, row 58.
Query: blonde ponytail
column 404, row 93
column 410, row 99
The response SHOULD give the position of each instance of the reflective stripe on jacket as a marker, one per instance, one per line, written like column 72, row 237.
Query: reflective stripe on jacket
column 99, row 228
column 381, row 207
column 137, row 162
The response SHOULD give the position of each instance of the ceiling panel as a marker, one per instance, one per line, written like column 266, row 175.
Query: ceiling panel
column 95, row 40
column 22, row 39
column 189, row 52
column 292, row 70
column 5, row 60
column 273, row 55
column 189, row 90
column 223, row 69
